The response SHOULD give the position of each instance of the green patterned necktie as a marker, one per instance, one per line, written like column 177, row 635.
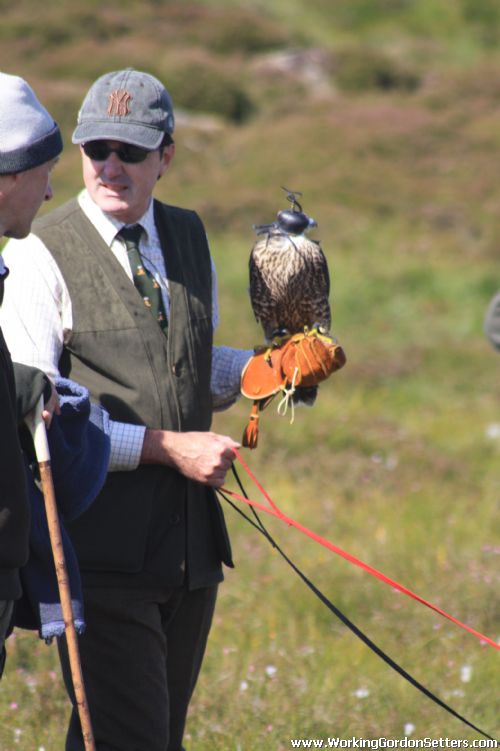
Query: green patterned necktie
column 144, row 280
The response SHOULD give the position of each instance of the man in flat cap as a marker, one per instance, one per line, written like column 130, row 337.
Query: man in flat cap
column 30, row 143
column 119, row 293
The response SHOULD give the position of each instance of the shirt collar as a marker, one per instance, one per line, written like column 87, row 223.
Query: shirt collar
column 106, row 225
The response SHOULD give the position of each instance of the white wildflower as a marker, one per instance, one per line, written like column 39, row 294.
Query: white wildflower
column 493, row 430
column 465, row 673
column 361, row 693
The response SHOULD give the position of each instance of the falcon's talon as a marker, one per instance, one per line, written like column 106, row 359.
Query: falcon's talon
column 267, row 356
column 279, row 341
column 319, row 330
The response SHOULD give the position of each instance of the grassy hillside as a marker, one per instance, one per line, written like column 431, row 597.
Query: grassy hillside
column 386, row 115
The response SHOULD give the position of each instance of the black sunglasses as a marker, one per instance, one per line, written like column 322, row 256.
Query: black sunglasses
column 126, row 152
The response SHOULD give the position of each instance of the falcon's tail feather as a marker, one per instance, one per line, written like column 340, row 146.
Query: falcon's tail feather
column 305, row 395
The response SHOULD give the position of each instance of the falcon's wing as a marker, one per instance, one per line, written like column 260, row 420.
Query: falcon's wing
column 315, row 284
column 260, row 293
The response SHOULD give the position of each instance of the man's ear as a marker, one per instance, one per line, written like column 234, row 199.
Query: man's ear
column 166, row 158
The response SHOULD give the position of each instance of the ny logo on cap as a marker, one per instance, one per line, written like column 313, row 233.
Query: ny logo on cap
column 119, row 102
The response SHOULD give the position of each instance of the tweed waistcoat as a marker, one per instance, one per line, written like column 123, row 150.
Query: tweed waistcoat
column 149, row 524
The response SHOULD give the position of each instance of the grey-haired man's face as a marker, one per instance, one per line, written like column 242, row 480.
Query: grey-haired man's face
column 121, row 189
column 21, row 197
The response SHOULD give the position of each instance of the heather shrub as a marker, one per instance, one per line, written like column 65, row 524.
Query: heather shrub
column 361, row 69
column 202, row 85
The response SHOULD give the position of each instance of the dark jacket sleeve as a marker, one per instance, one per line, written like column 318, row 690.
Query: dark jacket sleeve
column 492, row 321
column 31, row 383
column 14, row 509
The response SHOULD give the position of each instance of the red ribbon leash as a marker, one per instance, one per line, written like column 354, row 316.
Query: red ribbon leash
column 273, row 510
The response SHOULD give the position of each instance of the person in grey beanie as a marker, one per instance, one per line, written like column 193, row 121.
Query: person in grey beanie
column 30, row 143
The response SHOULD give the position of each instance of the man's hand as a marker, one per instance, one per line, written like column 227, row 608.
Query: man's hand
column 201, row 456
column 51, row 407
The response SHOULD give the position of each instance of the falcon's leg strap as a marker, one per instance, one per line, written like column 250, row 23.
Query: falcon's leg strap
column 287, row 399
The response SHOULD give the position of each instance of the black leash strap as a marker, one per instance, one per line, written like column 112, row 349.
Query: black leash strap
column 259, row 525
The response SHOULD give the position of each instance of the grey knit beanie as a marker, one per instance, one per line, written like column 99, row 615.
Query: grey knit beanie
column 28, row 134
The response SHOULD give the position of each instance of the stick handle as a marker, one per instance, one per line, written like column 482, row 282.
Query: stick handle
column 37, row 427
column 43, row 456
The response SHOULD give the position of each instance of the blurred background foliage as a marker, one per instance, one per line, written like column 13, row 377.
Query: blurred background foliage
column 385, row 114
column 353, row 101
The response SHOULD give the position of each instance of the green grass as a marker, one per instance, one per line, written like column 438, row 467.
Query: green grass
column 398, row 461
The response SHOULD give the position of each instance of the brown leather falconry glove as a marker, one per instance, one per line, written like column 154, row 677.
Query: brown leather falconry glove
column 304, row 359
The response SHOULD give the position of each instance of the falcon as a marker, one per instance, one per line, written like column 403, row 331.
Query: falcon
column 289, row 280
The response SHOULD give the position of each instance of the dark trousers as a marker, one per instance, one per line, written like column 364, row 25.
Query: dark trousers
column 6, row 607
column 141, row 655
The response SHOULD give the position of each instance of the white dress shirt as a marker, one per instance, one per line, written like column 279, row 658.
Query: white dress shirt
column 37, row 320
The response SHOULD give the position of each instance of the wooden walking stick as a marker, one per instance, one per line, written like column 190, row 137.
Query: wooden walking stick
column 37, row 428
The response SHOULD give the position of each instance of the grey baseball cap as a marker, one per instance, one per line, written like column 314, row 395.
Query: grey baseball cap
column 126, row 105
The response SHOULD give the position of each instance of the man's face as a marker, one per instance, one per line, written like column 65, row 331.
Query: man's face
column 122, row 189
column 27, row 191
